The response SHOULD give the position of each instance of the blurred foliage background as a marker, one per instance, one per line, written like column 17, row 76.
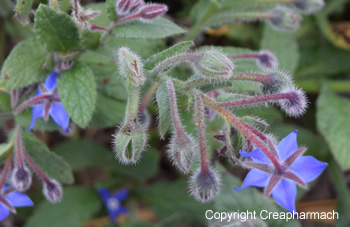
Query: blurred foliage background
column 318, row 55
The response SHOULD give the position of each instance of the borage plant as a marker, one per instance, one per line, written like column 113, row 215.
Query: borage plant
column 97, row 57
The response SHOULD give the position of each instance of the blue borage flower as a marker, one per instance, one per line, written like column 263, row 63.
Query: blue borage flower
column 52, row 104
column 113, row 202
column 9, row 199
column 281, row 182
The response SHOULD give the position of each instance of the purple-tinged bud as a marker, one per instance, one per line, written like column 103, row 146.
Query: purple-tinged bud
column 131, row 66
column 279, row 80
column 284, row 19
column 52, row 191
column 182, row 152
column 308, row 6
column 136, row 4
column 267, row 60
column 295, row 102
column 213, row 64
column 123, row 7
column 129, row 143
column 204, row 185
column 21, row 178
column 152, row 11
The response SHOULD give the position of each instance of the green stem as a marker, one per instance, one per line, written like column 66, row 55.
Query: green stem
column 314, row 86
column 132, row 106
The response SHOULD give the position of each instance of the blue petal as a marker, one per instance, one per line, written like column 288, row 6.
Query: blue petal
column 121, row 194
column 308, row 168
column 60, row 115
column 18, row 199
column 256, row 178
column 257, row 155
column 288, row 145
column 37, row 112
column 113, row 214
column 4, row 212
column 123, row 210
column 285, row 193
column 51, row 81
column 104, row 193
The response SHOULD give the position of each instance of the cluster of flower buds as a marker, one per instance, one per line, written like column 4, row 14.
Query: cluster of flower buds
column 131, row 10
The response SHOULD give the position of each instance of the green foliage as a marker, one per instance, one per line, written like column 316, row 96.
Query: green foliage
column 77, row 206
column 77, row 89
column 53, row 165
column 23, row 7
column 164, row 117
column 56, row 31
column 24, row 65
column 333, row 114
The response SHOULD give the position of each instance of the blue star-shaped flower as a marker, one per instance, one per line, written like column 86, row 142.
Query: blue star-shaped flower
column 49, row 103
column 113, row 202
column 281, row 181
column 9, row 199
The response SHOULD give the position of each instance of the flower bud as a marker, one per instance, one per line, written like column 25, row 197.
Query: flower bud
column 308, row 6
column 52, row 191
column 295, row 105
column 204, row 185
column 123, row 7
column 284, row 19
column 152, row 11
column 21, row 178
column 136, row 4
column 129, row 143
column 131, row 66
column 213, row 64
column 182, row 152
column 266, row 60
column 279, row 80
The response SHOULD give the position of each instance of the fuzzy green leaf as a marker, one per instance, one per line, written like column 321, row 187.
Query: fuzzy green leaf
column 24, row 65
column 23, row 8
column 77, row 89
column 77, row 206
column 111, row 10
column 174, row 50
column 50, row 163
column 56, row 31
column 333, row 114
column 158, row 28
column 164, row 117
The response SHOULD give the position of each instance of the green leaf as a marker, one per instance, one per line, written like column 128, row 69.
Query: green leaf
column 23, row 66
column 284, row 46
column 5, row 102
column 158, row 28
column 102, row 19
column 248, row 199
column 50, row 163
column 172, row 199
column 56, row 31
column 164, row 117
column 333, row 114
column 111, row 10
column 77, row 89
column 23, row 7
column 77, row 206
column 5, row 147
column 179, row 48
column 90, row 40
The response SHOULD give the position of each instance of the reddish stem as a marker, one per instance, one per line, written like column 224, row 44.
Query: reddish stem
column 5, row 170
column 201, row 133
column 36, row 168
column 33, row 101
column 19, row 148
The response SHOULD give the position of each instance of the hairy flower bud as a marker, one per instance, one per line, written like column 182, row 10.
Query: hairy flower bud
column 213, row 64
column 123, row 7
column 182, row 152
column 204, row 185
column 136, row 4
column 152, row 11
column 129, row 143
column 266, row 60
column 308, row 6
column 52, row 191
column 284, row 19
column 279, row 80
column 21, row 178
column 131, row 66
column 296, row 103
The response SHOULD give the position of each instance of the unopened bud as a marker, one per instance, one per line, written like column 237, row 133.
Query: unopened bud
column 267, row 60
column 284, row 19
column 279, row 80
column 213, row 64
column 152, row 11
column 204, row 185
column 131, row 66
column 123, row 7
column 136, row 4
column 182, row 152
column 21, row 178
column 296, row 103
column 308, row 6
column 52, row 191
column 129, row 143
